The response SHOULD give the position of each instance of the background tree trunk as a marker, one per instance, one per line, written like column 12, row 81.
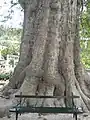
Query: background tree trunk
column 50, row 53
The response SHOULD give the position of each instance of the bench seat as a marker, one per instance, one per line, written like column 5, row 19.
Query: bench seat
column 24, row 109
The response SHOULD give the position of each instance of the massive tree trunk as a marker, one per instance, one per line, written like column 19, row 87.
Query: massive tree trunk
column 50, row 52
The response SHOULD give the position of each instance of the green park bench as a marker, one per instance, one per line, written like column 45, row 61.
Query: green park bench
column 19, row 108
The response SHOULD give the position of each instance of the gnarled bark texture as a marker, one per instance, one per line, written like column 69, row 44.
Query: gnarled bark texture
column 50, row 53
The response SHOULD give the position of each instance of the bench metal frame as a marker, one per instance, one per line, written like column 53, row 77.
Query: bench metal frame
column 19, row 108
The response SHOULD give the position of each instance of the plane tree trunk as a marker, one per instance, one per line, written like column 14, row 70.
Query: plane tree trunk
column 49, row 60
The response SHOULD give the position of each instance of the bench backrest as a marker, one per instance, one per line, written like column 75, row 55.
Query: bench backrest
column 33, row 96
column 46, row 97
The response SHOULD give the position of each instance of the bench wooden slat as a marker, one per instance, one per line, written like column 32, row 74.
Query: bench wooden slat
column 45, row 110
column 33, row 96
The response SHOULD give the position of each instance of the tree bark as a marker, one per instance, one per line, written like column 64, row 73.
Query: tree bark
column 50, row 53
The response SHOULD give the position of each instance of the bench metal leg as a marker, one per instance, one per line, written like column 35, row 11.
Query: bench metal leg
column 75, row 115
column 16, row 115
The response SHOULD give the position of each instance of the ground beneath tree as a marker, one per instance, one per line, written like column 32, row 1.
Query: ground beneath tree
column 46, row 117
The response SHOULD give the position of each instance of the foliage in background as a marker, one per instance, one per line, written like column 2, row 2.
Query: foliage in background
column 10, row 34
column 10, row 39
column 85, row 36
column 85, row 53
column 4, row 76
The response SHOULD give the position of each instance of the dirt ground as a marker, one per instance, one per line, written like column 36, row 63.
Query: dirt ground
column 47, row 117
